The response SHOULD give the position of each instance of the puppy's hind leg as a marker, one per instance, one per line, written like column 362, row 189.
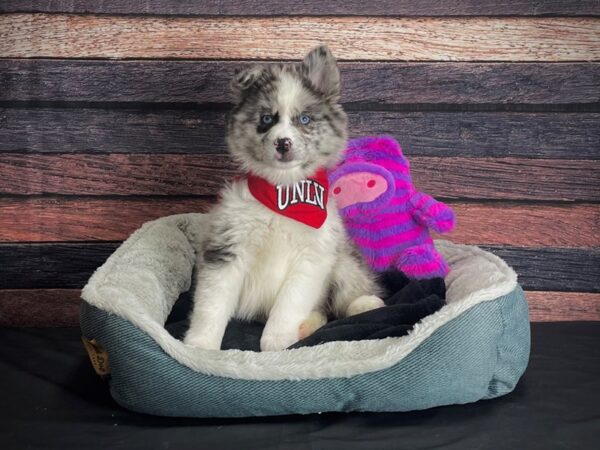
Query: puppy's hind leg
column 354, row 286
column 363, row 304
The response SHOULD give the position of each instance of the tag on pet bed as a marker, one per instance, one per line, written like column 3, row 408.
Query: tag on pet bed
column 98, row 356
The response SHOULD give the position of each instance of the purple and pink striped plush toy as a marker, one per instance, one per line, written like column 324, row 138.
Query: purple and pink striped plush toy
column 384, row 214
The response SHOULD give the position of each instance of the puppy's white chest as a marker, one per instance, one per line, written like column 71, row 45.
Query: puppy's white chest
column 275, row 255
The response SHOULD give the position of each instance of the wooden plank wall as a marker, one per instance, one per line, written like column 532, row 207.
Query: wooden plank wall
column 112, row 114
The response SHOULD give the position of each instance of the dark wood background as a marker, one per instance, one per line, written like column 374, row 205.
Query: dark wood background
column 112, row 114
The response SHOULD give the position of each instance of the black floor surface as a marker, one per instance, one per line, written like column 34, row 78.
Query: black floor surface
column 51, row 398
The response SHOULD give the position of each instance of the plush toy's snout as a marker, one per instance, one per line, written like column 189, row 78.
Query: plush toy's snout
column 359, row 187
column 363, row 185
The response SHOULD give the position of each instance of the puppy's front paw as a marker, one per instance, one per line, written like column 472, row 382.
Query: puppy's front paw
column 273, row 342
column 315, row 320
column 363, row 304
column 202, row 341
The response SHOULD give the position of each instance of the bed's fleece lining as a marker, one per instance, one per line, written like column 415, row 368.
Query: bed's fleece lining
column 145, row 276
column 407, row 302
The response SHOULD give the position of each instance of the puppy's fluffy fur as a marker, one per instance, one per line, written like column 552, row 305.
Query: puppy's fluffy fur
column 256, row 263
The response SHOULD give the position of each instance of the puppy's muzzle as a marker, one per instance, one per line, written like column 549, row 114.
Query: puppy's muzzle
column 283, row 145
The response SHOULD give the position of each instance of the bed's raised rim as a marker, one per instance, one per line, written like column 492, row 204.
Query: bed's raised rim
column 477, row 276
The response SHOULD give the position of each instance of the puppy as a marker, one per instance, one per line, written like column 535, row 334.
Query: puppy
column 276, row 249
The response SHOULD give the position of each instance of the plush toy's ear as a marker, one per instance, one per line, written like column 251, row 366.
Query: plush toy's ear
column 243, row 79
column 322, row 71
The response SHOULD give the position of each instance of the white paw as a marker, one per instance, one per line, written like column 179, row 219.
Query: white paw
column 200, row 340
column 273, row 342
column 315, row 320
column 363, row 304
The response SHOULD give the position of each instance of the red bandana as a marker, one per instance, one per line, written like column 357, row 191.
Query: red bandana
column 304, row 201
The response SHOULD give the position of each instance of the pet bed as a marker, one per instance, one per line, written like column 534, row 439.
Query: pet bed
column 475, row 347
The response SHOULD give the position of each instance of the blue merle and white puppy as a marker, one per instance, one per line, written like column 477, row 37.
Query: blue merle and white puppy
column 277, row 249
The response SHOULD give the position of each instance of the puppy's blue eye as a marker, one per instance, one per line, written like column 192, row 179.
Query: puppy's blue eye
column 304, row 119
column 267, row 119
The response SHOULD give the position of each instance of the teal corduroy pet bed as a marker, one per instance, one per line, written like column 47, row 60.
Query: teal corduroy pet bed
column 476, row 347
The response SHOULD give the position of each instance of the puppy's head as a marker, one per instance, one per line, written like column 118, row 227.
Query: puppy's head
column 287, row 121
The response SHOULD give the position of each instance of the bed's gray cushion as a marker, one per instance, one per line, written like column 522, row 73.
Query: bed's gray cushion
column 474, row 348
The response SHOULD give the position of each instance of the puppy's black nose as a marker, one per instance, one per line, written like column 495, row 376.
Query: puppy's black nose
column 283, row 145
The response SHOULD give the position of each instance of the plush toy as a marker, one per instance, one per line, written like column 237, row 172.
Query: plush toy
column 384, row 214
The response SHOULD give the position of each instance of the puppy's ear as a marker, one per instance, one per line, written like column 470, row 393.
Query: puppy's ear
column 321, row 68
column 243, row 79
